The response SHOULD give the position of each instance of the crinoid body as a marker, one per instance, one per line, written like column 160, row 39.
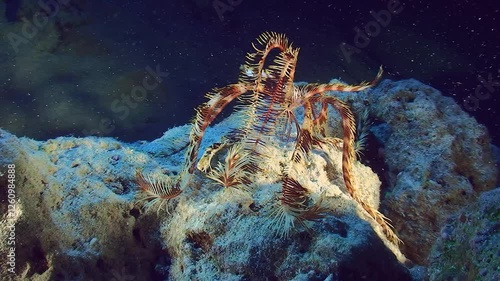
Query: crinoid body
column 156, row 191
column 268, row 100
column 233, row 173
column 294, row 206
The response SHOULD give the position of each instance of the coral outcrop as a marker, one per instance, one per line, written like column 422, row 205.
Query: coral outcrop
column 76, row 217
column 438, row 160
column 468, row 245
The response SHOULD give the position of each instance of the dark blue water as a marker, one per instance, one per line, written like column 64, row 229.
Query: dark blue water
column 81, row 72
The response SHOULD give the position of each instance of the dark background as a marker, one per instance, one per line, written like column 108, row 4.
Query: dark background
column 447, row 45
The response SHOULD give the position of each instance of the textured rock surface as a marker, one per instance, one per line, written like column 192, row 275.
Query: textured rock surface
column 468, row 247
column 216, row 234
column 77, row 220
column 76, row 217
column 438, row 158
column 432, row 156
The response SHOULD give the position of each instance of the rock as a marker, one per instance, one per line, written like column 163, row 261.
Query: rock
column 438, row 160
column 70, row 222
column 76, row 217
column 226, row 234
column 471, row 250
